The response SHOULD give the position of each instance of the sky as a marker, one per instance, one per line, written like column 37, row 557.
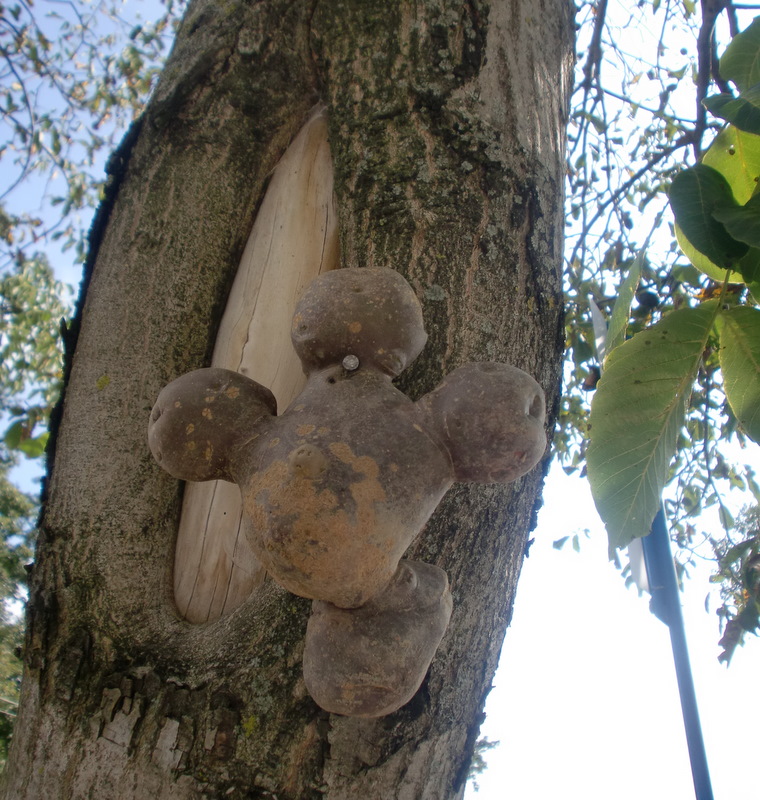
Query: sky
column 585, row 703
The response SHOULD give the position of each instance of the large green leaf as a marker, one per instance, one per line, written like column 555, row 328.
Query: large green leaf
column 749, row 266
column 742, row 111
column 694, row 195
column 699, row 260
column 14, row 435
column 740, row 362
column 637, row 413
column 736, row 155
column 621, row 311
column 741, row 61
column 742, row 222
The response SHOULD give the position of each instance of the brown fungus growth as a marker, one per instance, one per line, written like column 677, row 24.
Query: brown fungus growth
column 491, row 419
column 337, row 487
column 371, row 314
column 369, row 661
column 199, row 419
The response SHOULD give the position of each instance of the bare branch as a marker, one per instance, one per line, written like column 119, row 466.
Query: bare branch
column 592, row 68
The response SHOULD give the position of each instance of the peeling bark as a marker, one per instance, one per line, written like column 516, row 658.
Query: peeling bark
column 446, row 128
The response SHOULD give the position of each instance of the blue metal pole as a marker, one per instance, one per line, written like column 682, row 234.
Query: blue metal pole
column 666, row 606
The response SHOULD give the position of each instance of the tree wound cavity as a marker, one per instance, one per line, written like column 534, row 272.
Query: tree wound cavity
column 339, row 485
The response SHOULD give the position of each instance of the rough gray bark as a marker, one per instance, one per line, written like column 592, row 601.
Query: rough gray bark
column 447, row 126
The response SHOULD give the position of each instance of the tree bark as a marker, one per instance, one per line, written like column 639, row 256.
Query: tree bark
column 446, row 125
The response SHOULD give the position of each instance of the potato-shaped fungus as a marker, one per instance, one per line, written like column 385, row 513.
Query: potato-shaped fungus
column 200, row 418
column 491, row 418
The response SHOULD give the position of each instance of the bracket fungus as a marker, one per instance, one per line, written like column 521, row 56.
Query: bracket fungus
column 338, row 486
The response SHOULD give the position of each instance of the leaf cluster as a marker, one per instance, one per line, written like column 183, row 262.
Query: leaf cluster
column 32, row 311
column 72, row 76
column 629, row 133
column 716, row 202
column 738, row 577
column 657, row 395
column 478, row 764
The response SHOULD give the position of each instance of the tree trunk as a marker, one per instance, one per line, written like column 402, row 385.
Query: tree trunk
column 446, row 124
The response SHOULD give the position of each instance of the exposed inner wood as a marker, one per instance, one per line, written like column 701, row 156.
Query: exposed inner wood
column 294, row 238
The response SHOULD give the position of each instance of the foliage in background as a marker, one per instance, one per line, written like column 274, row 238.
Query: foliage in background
column 647, row 75
column 17, row 514
column 738, row 576
column 640, row 406
column 31, row 312
column 73, row 75
column 478, row 764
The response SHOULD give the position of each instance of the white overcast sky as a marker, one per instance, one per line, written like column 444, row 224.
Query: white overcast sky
column 585, row 703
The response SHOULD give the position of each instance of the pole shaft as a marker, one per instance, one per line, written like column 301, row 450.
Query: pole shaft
column 666, row 605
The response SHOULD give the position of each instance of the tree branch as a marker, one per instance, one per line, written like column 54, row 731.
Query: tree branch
column 592, row 68
column 705, row 65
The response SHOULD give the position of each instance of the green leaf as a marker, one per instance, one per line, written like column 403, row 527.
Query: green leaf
column 736, row 552
column 749, row 266
column 621, row 311
column 636, row 416
column 726, row 517
column 741, row 61
column 742, row 111
column 14, row 435
column 34, row 448
column 746, row 621
column 742, row 222
column 687, row 274
column 740, row 363
column 700, row 261
column 694, row 195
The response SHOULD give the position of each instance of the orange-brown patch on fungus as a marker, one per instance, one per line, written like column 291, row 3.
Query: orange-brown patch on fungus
column 315, row 543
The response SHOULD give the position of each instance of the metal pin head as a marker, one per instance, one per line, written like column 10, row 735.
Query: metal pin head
column 350, row 363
